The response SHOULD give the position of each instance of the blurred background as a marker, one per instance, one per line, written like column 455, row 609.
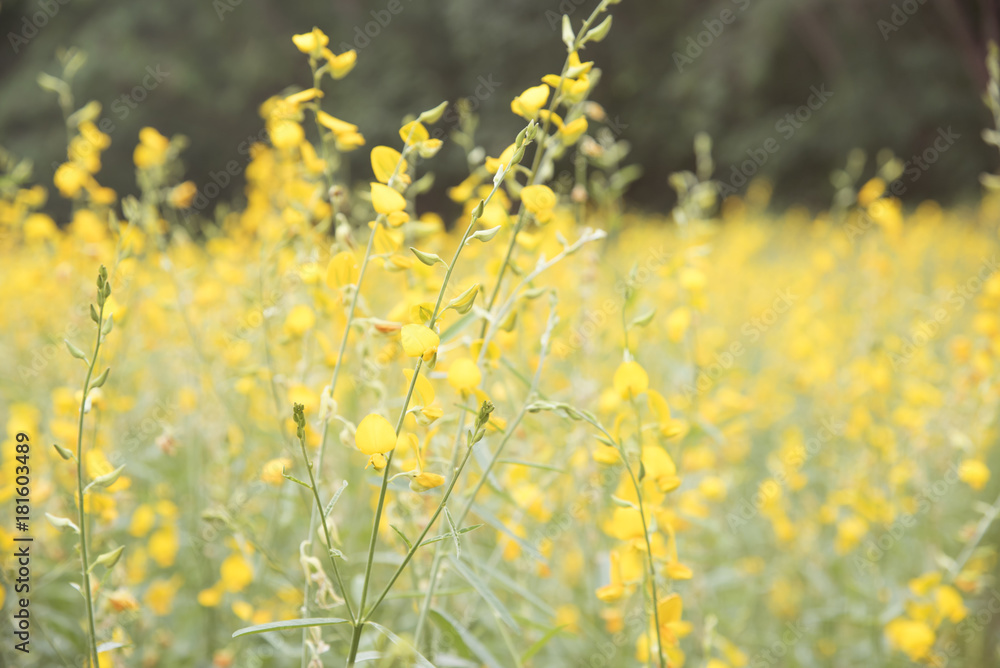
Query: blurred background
column 813, row 78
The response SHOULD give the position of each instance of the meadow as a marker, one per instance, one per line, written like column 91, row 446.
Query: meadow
column 322, row 429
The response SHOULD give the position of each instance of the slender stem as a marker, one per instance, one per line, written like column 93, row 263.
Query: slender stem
column 402, row 415
column 423, row 534
column 326, row 528
column 84, row 554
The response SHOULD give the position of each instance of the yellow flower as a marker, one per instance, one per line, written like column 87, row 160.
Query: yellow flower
column 375, row 435
column 425, row 481
column 334, row 124
column 143, row 520
column 539, row 200
column 160, row 595
column 182, row 195
column 211, row 597
column 528, row 103
column 304, row 96
column 122, row 600
column 342, row 270
column 300, row 320
column 912, row 637
column 70, row 178
column 464, row 375
column 341, row 65
column 152, row 149
column 384, row 161
column 414, row 132
column 570, row 133
column 419, row 341
column 386, row 200
column 974, row 473
column 163, row 545
column 630, row 380
column 310, row 42
column 235, row 573
column 271, row 472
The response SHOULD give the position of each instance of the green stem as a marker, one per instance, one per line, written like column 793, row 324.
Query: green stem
column 84, row 554
column 326, row 528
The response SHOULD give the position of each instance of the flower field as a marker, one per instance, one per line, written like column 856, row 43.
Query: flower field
column 324, row 429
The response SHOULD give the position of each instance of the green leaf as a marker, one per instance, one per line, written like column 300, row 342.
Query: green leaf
column 467, row 638
column 484, row 235
column 62, row 523
column 438, row 539
column 453, row 531
column 597, row 33
column 107, row 479
column 535, row 465
column 333, row 501
column 76, row 352
column 568, row 37
column 533, row 650
column 409, row 545
column 108, row 559
column 63, row 452
column 290, row 624
column 99, row 382
column 455, row 328
column 643, row 320
column 484, row 592
column 418, row 658
column 295, row 480
column 430, row 259
column 108, row 646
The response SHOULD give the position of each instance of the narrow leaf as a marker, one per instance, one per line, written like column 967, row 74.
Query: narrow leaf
column 484, row 592
column 418, row 658
column 469, row 639
column 290, row 624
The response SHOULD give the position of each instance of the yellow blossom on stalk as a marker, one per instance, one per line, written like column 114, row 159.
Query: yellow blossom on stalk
column 375, row 435
column 151, row 150
column 616, row 588
column 342, row 270
column 300, row 320
column 70, row 179
column 235, row 573
column 161, row 593
column 914, row 638
column 122, row 600
column 384, row 162
column 163, row 546
column 494, row 164
column 528, row 103
column 272, row 471
column 340, row 65
column 974, row 473
column 464, row 375
column 630, row 380
column 211, row 597
column 386, row 200
column 422, row 482
column 143, row 519
column 182, row 195
column 419, row 341
column 311, row 42
column 539, row 200
column 414, row 132
column 306, row 95
column 334, row 124
column 570, row 133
